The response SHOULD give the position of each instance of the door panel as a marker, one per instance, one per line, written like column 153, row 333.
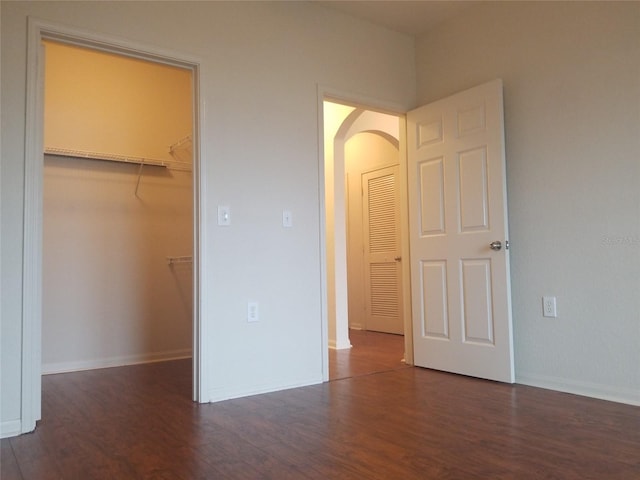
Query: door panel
column 474, row 211
column 435, row 317
column 383, row 275
column 432, row 197
column 477, row 315
column 457, row 207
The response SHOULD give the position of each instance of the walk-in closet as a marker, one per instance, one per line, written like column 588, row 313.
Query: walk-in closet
column 117, row 210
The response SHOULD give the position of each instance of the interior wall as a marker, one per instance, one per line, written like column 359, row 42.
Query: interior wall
column 334, row 115
column 571, row 75
column 364, row 152
column 109, row 296
column 260, row 67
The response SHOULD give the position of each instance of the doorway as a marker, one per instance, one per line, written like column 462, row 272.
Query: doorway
column 362, row 283
column 117, row 210
column 31, row 390
column 460, row 298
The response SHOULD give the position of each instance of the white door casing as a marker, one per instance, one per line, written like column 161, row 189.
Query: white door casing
column 39, row 30
column 457, row 206
column 382, row 250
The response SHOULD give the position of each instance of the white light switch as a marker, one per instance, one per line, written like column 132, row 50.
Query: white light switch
column 287, row 218
column 224, row 215
column 252, row 312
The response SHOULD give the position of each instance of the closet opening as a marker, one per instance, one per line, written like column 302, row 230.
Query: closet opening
column 118, row 210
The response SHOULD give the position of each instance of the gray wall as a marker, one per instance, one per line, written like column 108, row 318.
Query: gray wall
column 571, row 74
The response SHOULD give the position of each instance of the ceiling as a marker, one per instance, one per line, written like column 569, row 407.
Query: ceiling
column 409, row 17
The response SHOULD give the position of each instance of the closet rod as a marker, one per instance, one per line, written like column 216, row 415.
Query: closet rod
column 112, row 157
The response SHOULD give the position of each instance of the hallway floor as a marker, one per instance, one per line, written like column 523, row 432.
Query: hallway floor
column 371, row 352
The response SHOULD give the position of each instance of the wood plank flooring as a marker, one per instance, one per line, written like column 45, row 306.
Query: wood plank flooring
column 371, row 352
column 139, row 422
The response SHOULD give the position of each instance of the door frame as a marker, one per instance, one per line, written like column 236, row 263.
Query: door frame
column 38, row 30
column 375, row 105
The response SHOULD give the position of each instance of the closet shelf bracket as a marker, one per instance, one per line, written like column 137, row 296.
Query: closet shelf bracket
column 139, row 177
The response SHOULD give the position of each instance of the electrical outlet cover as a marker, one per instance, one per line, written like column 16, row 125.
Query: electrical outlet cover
column 549, row 308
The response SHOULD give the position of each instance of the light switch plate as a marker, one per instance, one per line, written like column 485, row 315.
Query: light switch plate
column 287, row 219
column 252, row 312
column 224, row 215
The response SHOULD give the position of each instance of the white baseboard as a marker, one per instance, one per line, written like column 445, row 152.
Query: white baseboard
column 92, row 364
column 594, row 390
column 343, row 345
column 10, row 428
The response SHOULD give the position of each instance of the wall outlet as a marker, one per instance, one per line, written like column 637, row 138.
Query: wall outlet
column 549, row 307
column 252, row 312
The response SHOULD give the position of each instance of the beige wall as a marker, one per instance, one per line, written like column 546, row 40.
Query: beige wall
column 334, row 114
column 571, row 74
column 104, row 103
column 109, row 296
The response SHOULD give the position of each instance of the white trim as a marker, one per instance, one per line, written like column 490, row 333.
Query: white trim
column 361, row 101
column 4, row 425
column 334, row 345
column 587, row 389
column 201, row 325
column 32, row 255
column 32, row 240
column 111, row 44
column 10, row 428
column 94, row 364
column 406, row 264
column 322, row 244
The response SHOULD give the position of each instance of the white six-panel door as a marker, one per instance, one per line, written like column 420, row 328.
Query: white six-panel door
column 457, row 208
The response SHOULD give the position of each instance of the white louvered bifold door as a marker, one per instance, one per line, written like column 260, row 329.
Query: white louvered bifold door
column 383, row 281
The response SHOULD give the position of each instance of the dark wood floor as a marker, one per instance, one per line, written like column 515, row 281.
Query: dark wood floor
column 139, row 422
column 371, row 352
